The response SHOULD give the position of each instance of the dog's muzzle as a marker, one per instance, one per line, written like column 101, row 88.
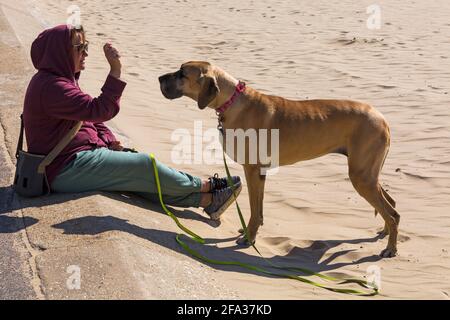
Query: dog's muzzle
column 168, row 86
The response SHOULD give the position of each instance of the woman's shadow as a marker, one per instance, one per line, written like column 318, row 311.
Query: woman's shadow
column 11, row 202
column 11, row 220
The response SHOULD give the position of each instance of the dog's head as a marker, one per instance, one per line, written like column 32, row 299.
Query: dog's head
column 194, row 79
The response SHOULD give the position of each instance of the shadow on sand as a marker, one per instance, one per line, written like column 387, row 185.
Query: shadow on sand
column 308, row 257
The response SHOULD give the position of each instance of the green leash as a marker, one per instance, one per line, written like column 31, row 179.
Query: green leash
column 198, row 239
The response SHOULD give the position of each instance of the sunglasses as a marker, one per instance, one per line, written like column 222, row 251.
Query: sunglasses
column 82, row 46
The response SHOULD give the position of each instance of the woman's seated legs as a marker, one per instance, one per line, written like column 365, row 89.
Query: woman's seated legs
column 107, row 170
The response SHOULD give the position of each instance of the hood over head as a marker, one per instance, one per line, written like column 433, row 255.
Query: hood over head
column 52, row 51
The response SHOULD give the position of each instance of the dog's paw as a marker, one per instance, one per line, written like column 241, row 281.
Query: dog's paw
column 242, row 241
column 388, row 253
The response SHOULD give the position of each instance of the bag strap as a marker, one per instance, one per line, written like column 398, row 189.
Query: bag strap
column 59, row 147
column 20, row 142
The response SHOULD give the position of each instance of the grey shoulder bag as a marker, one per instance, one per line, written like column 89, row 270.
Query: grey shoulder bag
column 30, row 179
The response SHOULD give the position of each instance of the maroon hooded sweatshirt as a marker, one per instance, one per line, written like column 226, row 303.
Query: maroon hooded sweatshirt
column 54, row 102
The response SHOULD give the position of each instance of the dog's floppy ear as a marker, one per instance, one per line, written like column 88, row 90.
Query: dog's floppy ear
column 208, row 91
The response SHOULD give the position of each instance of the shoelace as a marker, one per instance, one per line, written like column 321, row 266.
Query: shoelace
column 218, row 183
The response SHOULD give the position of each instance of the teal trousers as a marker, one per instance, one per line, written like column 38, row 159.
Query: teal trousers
column 107, row 170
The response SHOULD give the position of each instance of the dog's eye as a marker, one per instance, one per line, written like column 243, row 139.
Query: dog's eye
column 180, row 73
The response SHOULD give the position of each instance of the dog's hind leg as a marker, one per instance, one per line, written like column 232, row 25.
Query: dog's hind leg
column 385, row 231
column 365, row 160
column 255, row 185
column 371, row 191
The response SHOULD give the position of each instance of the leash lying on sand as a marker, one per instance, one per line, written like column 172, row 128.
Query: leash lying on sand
column 193, row 236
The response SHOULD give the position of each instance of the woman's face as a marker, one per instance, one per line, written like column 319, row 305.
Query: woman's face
column 79, row 51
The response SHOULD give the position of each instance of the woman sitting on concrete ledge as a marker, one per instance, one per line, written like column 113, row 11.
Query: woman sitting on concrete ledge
column 94, row 159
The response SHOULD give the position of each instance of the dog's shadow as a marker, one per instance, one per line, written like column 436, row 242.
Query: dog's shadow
column 299, row 257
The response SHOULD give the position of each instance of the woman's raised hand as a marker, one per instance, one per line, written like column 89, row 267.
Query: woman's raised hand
column 113, row 57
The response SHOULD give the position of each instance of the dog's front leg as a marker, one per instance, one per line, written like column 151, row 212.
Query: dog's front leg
column 255, row 185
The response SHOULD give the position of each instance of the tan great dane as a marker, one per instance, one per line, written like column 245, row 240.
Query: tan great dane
column 307, row 129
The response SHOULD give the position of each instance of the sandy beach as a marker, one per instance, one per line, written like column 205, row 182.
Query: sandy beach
column 313, row 216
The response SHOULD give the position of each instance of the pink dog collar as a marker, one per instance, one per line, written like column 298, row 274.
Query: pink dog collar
column 240, row 87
